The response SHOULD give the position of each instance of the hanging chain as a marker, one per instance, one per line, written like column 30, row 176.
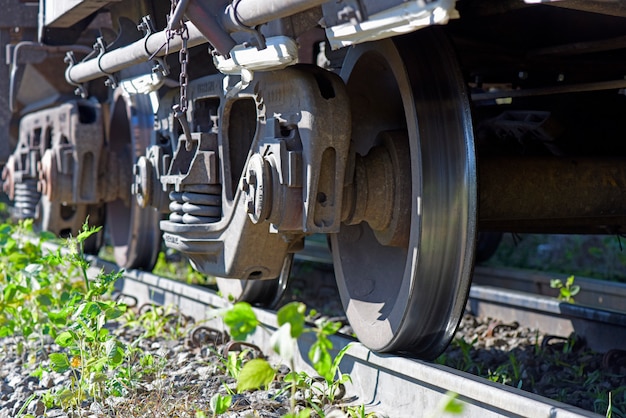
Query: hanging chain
column 180, row 110
column 183, row 57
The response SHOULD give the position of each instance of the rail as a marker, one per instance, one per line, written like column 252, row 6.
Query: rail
column 388, row 385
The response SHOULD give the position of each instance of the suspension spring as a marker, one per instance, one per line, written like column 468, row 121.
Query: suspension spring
column 197, row 204
column 26, row 199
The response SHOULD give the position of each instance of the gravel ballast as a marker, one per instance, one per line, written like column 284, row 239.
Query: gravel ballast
column 184, row 377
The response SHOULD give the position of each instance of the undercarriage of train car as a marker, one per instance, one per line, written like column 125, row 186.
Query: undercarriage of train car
column 313, row 117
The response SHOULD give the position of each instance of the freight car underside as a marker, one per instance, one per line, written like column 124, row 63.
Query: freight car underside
column 319, row 118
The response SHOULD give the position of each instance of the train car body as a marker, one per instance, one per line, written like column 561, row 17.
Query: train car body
column 231, row 131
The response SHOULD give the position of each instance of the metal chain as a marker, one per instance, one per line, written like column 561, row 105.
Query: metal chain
column 183, row 57
column 180, row 110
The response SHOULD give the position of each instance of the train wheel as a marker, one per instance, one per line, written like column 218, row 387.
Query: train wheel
column 409, row 295
column 265, row 293
column 66, row 221
column 134, row 231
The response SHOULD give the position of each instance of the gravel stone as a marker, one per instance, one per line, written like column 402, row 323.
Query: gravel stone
column 185, row 378
column 36, row 408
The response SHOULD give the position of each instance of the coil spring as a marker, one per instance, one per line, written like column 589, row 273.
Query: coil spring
column 197, row 204
column 26, row 199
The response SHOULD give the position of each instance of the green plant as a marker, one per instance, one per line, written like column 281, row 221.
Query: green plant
column 179, row 269
column 219, row 404
column 449, row 404
column 256, row 373
column 158, row 321
column 359, row 412
column 567, row 290
column 91, row 354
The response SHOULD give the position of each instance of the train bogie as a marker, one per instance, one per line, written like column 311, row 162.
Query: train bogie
column 405, row 131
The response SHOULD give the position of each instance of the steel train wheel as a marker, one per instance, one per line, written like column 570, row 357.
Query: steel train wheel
column 410, row 297
column 265, row 293
column 66, row 221
column 134, row 231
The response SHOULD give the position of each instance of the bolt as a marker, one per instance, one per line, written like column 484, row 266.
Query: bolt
column 245, row 186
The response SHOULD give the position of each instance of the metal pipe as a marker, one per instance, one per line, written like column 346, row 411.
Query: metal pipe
column 244, row 12
column 154, row 45
column 202, row 15
column 252, row 13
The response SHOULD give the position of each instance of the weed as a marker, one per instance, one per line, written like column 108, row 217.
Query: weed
column 567, row 290
column 258, row 373
column 219, row 404
column 359, row 412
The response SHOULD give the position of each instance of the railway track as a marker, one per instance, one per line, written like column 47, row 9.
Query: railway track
column 401, row 387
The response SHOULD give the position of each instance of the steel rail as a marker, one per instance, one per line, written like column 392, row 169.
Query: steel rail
column 599, row 315
column 388, row 385
column 523, row 296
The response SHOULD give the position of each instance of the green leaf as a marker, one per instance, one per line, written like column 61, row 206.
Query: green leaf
column 292, row 313
column 18, row 260
column 115, row 352
column 60, row 317
column 338, row 358
column 9, row 292
column 255, row 374
column 6, row 330
column 305, row 413
column 90, row 310
column 44, row 300
column 330, row 328
column 113, row 312
column 219, row 404
column 321, row 360
column 87, row 231
column 64, row 339
column 59, row 362
column 282, row 342
column 47, row 236
column 241, row 321
column 556, row 283
column 452, row 404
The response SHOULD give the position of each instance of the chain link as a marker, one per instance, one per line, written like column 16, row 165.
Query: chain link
column 183, row 57
column 180, row 110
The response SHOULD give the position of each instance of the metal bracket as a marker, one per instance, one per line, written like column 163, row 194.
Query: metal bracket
column 256, row 37
column 100, row 48
column 147, row 27
column 70, row 60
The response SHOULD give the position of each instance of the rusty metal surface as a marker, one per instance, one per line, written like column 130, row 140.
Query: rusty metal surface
column 300, row 145
column 552, row 194
column 72, row 140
